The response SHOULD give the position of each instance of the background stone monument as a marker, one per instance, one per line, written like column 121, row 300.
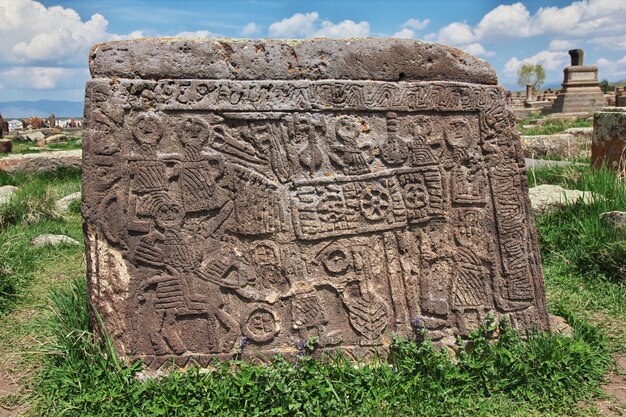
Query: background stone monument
column 241, row 196
column 609, row 139
column 581, row 90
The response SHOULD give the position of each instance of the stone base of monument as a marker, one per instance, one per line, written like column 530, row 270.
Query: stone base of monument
column 242, row 197
column 609, row 139
column 577, row 102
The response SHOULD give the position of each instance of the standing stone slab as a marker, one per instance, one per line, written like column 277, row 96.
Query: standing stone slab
column 279, row 191
column 608, row 147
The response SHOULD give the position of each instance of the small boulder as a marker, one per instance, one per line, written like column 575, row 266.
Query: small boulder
column 60, row 138
column 617, row 219
column 547, row 196
column 559, row 145
column 560, row 326
column 64, row 203
column 6, row 145
column 53, row 240
column 6, row 193
column 30, row 135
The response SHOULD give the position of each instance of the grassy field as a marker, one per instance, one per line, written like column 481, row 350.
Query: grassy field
column 20, row 147
column 61, row 369
column 550, row 127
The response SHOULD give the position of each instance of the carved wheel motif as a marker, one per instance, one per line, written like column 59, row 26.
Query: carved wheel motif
column 337, row 261
column 415, row 196
column 262, row 324
column 375, row 202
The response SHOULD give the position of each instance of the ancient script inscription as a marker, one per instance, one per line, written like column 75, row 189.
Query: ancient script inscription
column 284, row 211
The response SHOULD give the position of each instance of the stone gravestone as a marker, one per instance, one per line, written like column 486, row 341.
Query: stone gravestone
column 581, row 90
column 608, row 147
column 241, row 196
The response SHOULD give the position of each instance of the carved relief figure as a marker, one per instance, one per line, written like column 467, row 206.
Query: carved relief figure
column 344, row 151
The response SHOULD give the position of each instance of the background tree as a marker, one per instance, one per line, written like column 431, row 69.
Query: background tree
column 605, row 86
column 534, row 75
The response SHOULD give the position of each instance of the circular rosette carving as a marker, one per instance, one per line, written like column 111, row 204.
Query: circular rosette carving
column 262, row 323
column 375, row 202
column 415, row 195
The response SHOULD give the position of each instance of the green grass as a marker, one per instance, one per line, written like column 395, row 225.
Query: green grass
column 543, row 373
column 576, row 236
column 28, row 214
column 22, row 147
column 551, row 127
column 67, row 371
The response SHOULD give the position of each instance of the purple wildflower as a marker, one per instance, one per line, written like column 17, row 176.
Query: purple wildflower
column 242, row 345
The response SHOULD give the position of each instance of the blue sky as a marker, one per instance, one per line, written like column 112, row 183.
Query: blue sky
column 44, row 45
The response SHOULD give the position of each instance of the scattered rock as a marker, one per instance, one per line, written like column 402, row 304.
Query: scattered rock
column 60, row 138
column 528, row 126
column 559, row 325
column 6, row 192
column 30, row 135
column 560, row 145
column 42, row 162
column 616, row 219
column 570, row 117
column 79, row 142
column 6, row 145
column 53, row 240
column 548, row 196
column 64, row 203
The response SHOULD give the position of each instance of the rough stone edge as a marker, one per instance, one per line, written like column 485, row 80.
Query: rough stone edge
column 239, row 59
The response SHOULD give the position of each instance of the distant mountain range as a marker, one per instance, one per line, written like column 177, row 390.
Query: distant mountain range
column 40, row 108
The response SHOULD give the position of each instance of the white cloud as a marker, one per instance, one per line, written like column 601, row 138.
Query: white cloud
column 309, row 25
column 405, row 33
column 617, row 42
column 561, row 45
column 456, row 33
column 250, row 29
column 415, row 24
column 550, row 60
column 39, row 78
column 197, row 34
column 476, row 49
column 296, row 26
column 611, row 70
column 35, row 35
column 579, row 19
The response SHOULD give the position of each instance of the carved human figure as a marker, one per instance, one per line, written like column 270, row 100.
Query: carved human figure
column 147, row 173
column 420, row 152
column 172, row 251
column 199, row 173
column 345, row 152
column 469, row 287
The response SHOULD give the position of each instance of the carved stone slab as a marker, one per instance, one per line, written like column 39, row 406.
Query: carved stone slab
column 280, row 191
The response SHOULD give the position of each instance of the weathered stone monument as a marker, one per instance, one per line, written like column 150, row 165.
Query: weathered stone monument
column 581, row 90
column 608, row 147
column 241, row 196
column 2, row 132
column 52, row 121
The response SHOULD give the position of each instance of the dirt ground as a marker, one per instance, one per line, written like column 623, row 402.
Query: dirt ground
column 615, row 388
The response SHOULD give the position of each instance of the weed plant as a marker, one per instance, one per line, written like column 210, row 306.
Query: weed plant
column 576, row 235
column 551, row 127
column 28, row 214
column 511, row 375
